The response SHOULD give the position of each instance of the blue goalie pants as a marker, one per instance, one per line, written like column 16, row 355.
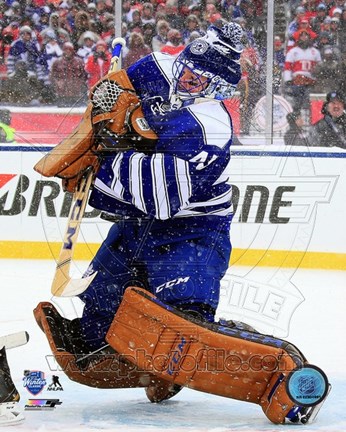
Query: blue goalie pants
column 181, row 261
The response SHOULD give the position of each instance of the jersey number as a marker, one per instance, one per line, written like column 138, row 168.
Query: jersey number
column 202, row 160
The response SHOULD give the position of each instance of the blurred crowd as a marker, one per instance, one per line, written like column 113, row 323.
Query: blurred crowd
column 53, row 51
column 315, row 52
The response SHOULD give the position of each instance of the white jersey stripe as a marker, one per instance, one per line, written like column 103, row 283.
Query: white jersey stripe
column 160, row 193
column 116, row 186
column 136, row 181
column 106, row 190
column 183, row 180
column 221, row 199
column 188, row 213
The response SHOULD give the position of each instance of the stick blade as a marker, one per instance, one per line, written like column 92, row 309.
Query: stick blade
column 14, row 340
column 74, row 287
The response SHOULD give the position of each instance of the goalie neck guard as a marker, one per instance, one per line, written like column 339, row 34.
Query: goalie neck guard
column 214, row 57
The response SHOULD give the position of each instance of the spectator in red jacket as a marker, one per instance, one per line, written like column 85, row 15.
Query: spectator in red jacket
column 98, row 63
column 68, row 78
column 300, row 64
column 6, row 38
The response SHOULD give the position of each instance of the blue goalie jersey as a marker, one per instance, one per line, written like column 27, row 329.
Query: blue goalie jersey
column 188, row 174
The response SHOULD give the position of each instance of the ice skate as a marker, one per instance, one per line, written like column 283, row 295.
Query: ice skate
column 10, row 412
column 160, row 390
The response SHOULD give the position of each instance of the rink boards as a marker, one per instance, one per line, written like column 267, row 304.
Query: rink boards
column 289, row 208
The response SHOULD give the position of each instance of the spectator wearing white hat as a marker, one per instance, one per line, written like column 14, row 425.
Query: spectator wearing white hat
column 160, row 39
column 87, row 43
column 325, row 27
column 293, row 26
column 13, row 13
column 51, row 49
column 337, row 4
column 147, row 14
column 54, row 25
column 27, row 50
column 27, row 70
column 336, row 13
column 94, row 17
column 92, row 9
column 63, row 36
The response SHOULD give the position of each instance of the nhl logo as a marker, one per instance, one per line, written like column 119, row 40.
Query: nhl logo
column 34, row 381
column 199, row 47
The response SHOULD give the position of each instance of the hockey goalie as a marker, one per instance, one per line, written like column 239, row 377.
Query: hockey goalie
column 157, row 138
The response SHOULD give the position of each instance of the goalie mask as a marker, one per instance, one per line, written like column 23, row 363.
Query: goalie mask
column 209, row 66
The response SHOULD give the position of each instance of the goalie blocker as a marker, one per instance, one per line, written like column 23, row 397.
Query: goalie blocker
column 113, row 121
column 230, row 361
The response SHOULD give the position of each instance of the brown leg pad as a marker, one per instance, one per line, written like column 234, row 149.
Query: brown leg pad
column 229, row 362
column 103, row 370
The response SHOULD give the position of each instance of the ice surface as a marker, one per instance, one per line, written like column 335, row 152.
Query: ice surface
column 317, row 326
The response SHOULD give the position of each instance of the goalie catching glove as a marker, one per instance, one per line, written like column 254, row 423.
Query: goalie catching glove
column 113, row 120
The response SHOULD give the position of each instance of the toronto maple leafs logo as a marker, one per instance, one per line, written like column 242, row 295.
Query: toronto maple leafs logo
column 199, row 47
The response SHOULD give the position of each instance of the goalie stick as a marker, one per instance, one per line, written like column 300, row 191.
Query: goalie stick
column 14, row 340
column 63, row 285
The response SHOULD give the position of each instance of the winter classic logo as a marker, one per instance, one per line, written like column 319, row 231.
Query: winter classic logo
column 34, row 381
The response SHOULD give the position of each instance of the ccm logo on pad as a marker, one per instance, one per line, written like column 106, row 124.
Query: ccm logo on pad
column 172, row 283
